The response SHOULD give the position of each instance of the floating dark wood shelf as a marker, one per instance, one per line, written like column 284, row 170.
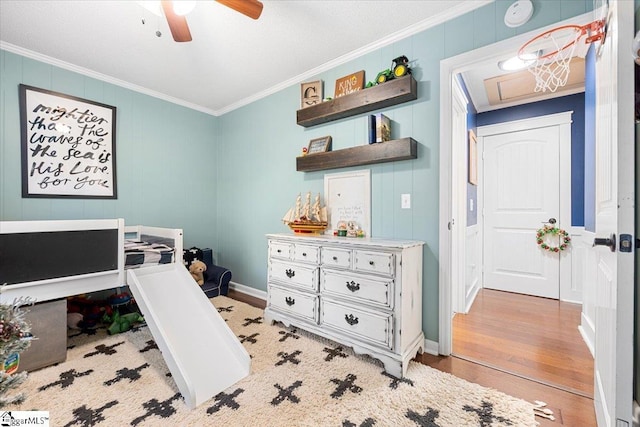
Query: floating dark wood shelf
column 381, row 96
column 390, row 151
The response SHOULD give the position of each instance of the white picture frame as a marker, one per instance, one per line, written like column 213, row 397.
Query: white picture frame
column 348, row 198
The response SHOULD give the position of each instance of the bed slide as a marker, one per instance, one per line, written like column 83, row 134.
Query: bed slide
column 202, row 353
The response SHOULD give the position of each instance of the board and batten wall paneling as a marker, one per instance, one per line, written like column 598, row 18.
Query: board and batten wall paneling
column 166, row 156
column 259, row 143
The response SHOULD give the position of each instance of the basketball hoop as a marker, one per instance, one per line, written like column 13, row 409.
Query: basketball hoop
column 552, row 51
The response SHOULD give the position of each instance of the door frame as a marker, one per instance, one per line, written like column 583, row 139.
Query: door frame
column 447, row 205
column 459, row 175
column 563, row 121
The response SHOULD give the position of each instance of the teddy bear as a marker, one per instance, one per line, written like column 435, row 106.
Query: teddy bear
column 197, row 268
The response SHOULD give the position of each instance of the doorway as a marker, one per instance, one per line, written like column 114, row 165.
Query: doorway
column 525, row 185
column 448, row 68
column 517, row 322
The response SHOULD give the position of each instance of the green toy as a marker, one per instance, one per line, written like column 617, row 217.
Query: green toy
column 399, row 67
column 121, row 323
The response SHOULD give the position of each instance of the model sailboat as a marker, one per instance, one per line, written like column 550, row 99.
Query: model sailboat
column 307, row 218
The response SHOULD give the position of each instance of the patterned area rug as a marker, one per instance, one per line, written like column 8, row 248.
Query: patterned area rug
column 296, row 379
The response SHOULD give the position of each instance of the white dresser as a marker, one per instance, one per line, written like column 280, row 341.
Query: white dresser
column 361, row 292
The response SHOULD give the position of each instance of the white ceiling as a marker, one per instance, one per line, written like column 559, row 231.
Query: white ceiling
column 232, row 60
column 487, row 73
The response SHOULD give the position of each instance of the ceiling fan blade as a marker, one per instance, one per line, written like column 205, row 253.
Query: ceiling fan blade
column 177, row 24
column 250, row 8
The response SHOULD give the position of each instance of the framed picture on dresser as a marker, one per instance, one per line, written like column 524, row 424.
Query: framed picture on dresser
column 348, row 199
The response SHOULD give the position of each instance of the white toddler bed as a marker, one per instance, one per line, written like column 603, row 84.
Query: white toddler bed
column 47, row 260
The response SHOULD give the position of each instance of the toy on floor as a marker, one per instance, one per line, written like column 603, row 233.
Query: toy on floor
column 121, row 322
column 90, row 310
column 197, row 269
column 74, row 320
column 119, row 299
column 540, row 411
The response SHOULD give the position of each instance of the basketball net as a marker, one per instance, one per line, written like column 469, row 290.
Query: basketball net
column 550, row 53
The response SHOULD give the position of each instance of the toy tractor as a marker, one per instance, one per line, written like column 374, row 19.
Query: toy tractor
column 399, row 67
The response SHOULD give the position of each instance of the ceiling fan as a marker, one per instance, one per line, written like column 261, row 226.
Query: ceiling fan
column 178, row 23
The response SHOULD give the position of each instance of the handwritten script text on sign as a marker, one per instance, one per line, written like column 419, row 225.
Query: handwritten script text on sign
column 69, row 147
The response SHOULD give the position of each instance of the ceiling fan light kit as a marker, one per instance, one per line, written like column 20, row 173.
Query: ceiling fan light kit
column 180, row 7
column 177, row 24
column 175, row 11
column 183, row 7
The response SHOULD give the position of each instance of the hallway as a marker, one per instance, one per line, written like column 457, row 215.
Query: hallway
column 531, row 337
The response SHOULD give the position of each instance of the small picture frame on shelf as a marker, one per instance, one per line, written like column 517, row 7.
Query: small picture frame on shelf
column 319, row 145
column 310, row 93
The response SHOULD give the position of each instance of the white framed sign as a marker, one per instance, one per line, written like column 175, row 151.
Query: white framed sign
column 348, row 198
column 68, row 146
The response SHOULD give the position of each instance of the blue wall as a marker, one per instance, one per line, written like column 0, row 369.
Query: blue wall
column 259, row 144
column 590, row 141
column 165, row 156
column 573, row 103
column 472, row 189
column 227, row 181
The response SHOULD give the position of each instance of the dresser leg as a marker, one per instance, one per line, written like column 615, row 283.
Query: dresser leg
column 393, row 368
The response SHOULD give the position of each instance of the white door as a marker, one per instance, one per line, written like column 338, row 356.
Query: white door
column 614, row 216
column 521, row 193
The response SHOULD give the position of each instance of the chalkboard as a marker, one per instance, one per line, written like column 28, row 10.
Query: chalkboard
column 27, row 257
column 68, row 146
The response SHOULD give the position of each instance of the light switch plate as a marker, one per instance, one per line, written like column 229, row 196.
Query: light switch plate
column 405, row 201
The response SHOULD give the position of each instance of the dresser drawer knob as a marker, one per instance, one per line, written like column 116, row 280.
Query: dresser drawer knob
column 353, row 286
column 290, row 273
column 290, row 301
column 370, row 262
column 279, row 251
column 335, row 258
column 351, row 319
column 304, row 254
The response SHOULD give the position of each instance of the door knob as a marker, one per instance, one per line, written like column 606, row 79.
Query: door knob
column 552, row 221
column 606, row 241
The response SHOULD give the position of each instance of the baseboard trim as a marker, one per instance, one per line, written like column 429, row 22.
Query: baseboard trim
column 431, row 347
column 587, row 331
column 257, row 293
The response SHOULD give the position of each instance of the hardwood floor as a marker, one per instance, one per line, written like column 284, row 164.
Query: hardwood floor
column 534, row 337
column 570, row 409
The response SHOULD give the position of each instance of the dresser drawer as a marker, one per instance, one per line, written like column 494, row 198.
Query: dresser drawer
column 293, row 274
column 306, row 253
column 295, row 303
column 333, row 257
column 355, row 287
column 280, row 249
column 375, row 262
column 362, row 324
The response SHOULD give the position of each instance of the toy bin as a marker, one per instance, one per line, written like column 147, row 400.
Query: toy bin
column 48, row 322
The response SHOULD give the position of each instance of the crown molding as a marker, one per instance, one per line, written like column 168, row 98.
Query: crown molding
column 451, row 13
column 99, row 76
